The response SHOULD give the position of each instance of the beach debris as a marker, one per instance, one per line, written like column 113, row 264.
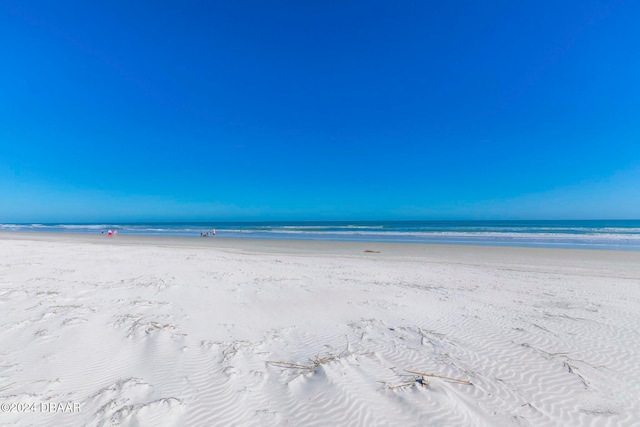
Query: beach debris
column 572, row 370
column 424, row 374
column 317, row 361
column 306, row 368
column 567, row 362
column 422, row 379
column 127, row 411
column 230, row 349
column 293, row 365
column 415, row 381
column 137, row 324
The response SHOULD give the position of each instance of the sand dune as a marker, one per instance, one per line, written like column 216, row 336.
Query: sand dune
column 156, row 331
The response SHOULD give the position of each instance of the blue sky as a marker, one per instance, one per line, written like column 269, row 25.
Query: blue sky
column 296, row 110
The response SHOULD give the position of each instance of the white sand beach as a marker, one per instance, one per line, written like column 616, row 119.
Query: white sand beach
column 211, row 332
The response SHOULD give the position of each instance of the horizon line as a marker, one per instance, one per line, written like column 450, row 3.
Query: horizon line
column 303, row 220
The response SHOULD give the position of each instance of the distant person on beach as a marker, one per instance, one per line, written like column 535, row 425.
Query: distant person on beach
column 109, row 233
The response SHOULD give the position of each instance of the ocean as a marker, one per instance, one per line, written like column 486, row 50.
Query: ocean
column 596, row 234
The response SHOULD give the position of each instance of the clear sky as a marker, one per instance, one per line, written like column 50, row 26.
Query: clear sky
column 265, row 110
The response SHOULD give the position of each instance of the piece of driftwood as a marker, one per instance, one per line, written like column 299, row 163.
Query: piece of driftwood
column 423, row 374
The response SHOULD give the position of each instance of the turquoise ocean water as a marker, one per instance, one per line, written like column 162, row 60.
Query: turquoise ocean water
column 597, row 234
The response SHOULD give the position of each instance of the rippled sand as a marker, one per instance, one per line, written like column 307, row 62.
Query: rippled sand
column 171, row 331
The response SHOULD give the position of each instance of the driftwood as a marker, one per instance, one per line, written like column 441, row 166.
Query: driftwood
column 423, row 374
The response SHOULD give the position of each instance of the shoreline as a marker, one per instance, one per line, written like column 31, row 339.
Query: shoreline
column 587, row 261
column 587, row 234
column 305, row 245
